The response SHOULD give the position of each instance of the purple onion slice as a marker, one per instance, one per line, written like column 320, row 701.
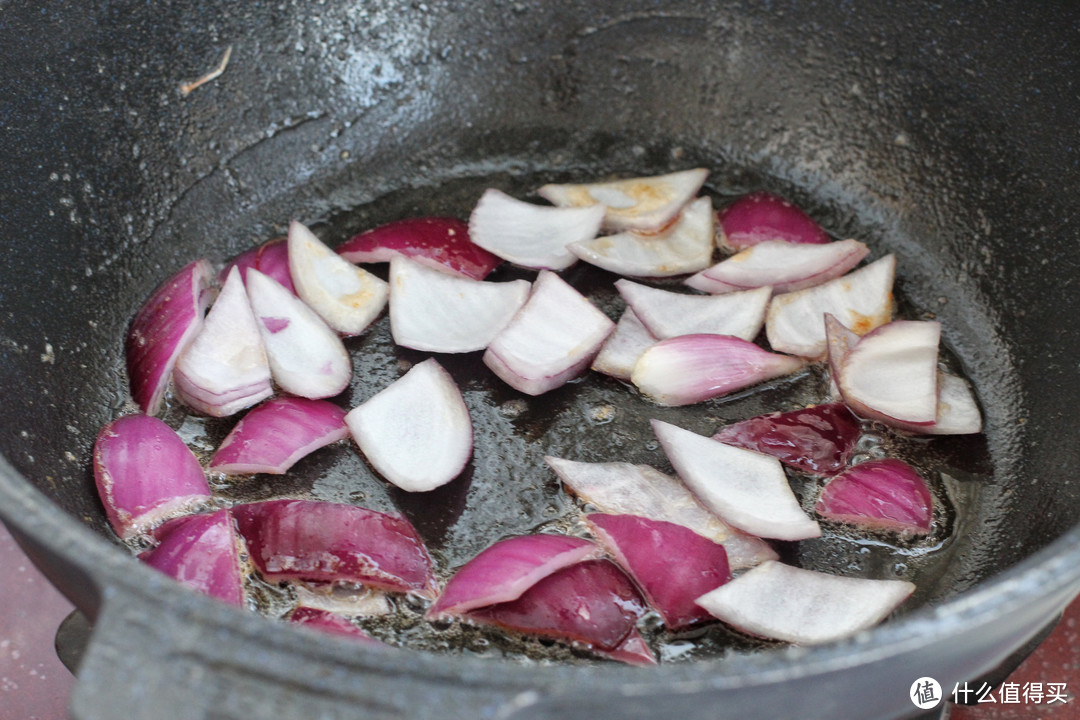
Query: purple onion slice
column 504, row 571
column 273, row 436
column 328, row 622
column 200, row 551
column 331, row 542
column 271, row 259
column 145, row 473
column 784, row 266
column 169, row 319
column 885, row 494
column 438, row 242
column 671, row 564
column 761, row 217
column 552, row 339
column 417, row 432
column 623, row 347
column 669, row 314
column 800, row 606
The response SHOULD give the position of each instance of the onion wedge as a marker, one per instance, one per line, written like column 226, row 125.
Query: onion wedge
column 328, row 622
column 200, row 551
column 883, row 494
column 417, row 432
column 533, row 236
column 271, row 258
column 784, row 266
column 622, row 488
column 306, row 357
column 552, row 339
column 800, row 606
column 644, row 203
column 669, row 314
column 504, row 571
column 623, row 347
column 438, row 312
column 225, row 369
column 438, row 242
column 762, row 217
column 861, row 300
column 273, row 436
column 685, row 247
column 691, row 368
column 332, row 542
column 145, row 473
column 745, row 488
column 169, row 319
column 645, row 548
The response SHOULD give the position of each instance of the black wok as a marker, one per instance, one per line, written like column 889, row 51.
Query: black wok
column 945, row 134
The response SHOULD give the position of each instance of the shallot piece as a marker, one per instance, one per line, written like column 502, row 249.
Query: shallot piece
column 273, row 436
column 623, row 347
column 145, row 473
column 441, row 243
column 331, row 542
column 435, row 311
column 818, row 440
column 800, row 606
column 504, row 571
column 271, row 258
column 200, row 551
column 784, row 266
column 169, row 319
column 551, row 340
column 762, row 217
column 891, row 373
column 592, row 602
column 625, row 489
column 225, row 369
column 745, row 488
column 645, row 203
column 328, row 622
column 691, row 368
column 307, row 358
column 885, row 494
column 416, row 432
column 672, row 565
column 669, row 314
column 684, row 247
column 346, row 297
column 533, row 236
column 861, row 300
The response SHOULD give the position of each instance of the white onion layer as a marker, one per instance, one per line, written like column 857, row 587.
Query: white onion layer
column 668, row 314
column 785, row 266
column 624, row 347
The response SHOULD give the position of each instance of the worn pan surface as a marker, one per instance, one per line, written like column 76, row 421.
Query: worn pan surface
column 944, row 135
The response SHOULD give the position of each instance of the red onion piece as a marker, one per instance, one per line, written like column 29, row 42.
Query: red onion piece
column 346, row 297
column 145, row 473
column 818, row 440
column 670, row 314
column 644, row 203
column 591, row 601
column 273, row 436
column 684, row 247
column 271, row 258
column 350, row 600
column 417, row 432
column 332, row 542
column 439, row 242
column 225, row 369
column 328, row 622
column 861, row 300
column 162, row 328
column 200, row 551
column 646, row 548
column 632, row 651
column 884, row 494
column 762, row 216
column 745, row 488
column 625, row 489
column 533, row 236
column 306, row 357
column 623, row 347
column 438, row 312
column 504, row 571
column 551, row 340
column 807, row 607
column 784, row 266
column 691, row 368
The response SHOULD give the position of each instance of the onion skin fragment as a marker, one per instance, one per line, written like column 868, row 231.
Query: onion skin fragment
column 200, row 551
column 762, row 216
column 885, row 494
column 144, row 473
column 328, row 622
column 274, row 435
column 169, row 319
column 439, row 242
column 271, row 259
column 332, row 542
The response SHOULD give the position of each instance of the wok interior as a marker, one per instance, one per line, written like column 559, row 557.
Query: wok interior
column 365, row 113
